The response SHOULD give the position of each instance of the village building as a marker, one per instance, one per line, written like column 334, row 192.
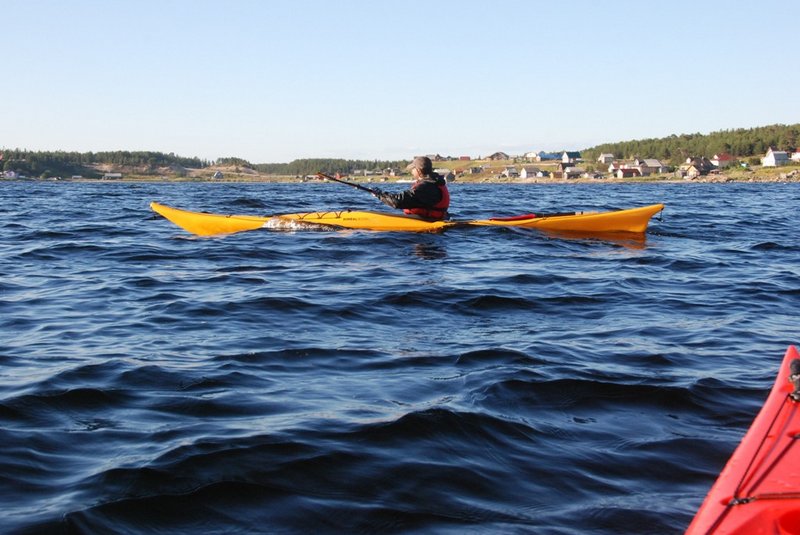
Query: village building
column 649, row 166
column 498, row 156
column 775, row 158
column 796, row 155
column 529, row 171
column 628, row 172
column 695, row 167
column 723, row 160
column 605, row 158
column 570, row 156
column 445, row 173
column 509, row 172
column 694, row 171
column 573, row 172
column 543, row 156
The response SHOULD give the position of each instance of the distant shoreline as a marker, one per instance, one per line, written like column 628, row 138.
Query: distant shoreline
column 790, row 173
column 718, row 179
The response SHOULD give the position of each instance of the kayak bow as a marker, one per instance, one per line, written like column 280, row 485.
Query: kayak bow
column 758, row 491
column 633, row 220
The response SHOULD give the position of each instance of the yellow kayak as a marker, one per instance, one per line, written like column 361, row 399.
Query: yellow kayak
column 634, row 220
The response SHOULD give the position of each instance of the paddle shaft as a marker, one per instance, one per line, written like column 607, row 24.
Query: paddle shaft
column 352, row 184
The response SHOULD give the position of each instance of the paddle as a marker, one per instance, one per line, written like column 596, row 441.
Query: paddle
column 375, row 192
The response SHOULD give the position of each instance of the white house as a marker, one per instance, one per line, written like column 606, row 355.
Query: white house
column 774, row 158
column 530, row 172
column 796, row 155
column 605, row 158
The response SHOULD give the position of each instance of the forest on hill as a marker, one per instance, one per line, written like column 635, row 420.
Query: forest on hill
column 675, row 149
column 60, row 163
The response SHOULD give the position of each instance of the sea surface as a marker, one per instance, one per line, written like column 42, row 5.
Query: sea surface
column 482, row 380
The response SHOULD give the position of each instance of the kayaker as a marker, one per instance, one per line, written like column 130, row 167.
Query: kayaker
column 427, row 197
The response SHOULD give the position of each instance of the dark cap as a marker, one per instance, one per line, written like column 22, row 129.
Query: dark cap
column 423, row 163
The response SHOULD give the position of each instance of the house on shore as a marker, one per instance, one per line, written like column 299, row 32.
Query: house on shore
column 570, row 156
column 445, row 173
column 530, row 171
column 628, row 172
column 723, row 160
column 649, row 166
column 509, row 172
column 696, row 167
column 796, row 155
column 775, row 158
column 573, row 172
column 605, row 158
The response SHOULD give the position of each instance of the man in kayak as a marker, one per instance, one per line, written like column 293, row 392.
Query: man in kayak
column 427, row 197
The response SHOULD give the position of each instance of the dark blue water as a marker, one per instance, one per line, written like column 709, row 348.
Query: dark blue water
column 481, row 380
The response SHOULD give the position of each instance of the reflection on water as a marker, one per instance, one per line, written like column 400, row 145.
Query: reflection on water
column 623, row 239
column 429, row 251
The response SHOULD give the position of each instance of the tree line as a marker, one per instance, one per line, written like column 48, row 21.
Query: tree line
column 44, row 163
column 62, row 163
column 675, row 149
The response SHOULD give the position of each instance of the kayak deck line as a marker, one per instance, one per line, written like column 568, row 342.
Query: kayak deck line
column 758, row 491
column 633, row 220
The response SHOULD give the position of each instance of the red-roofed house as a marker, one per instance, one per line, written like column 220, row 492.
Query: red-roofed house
column 723, row 159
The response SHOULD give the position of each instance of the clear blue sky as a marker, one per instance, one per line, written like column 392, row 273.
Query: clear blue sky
column 272, row 81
